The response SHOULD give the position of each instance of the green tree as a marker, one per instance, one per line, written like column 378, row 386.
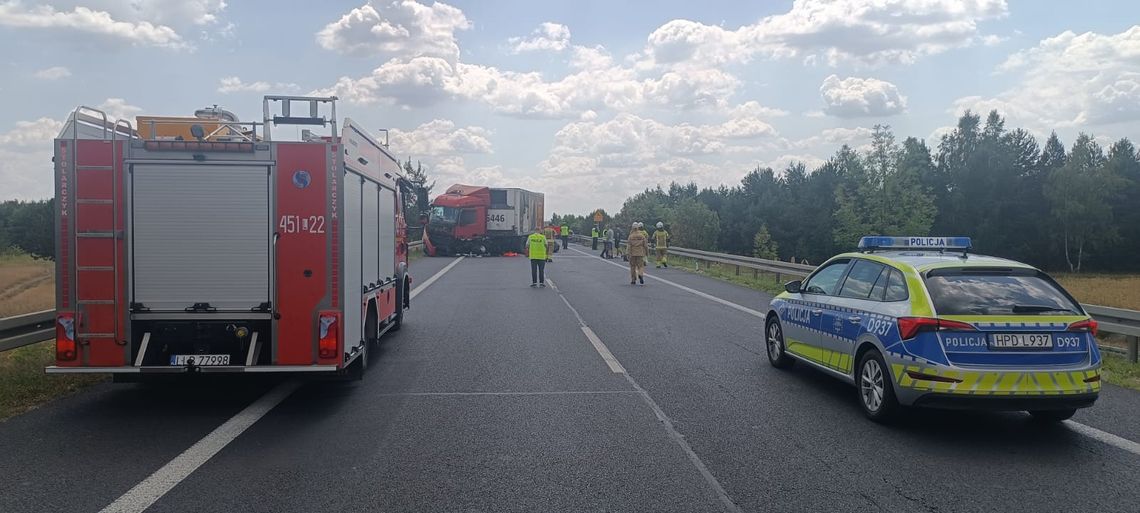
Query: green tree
column 693, row 225
column 884, row 195
column 31, row 227
column 1080, row 195
column 763, row 246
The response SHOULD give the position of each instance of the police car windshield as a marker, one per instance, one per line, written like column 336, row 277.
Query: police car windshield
column 996, row 292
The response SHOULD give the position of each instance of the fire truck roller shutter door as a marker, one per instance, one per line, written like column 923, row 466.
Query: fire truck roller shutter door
column 353, row 276
column 200, row 234
column 370, row 234
column 387, row 233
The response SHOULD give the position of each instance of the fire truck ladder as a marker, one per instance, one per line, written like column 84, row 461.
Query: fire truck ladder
column 102, row 219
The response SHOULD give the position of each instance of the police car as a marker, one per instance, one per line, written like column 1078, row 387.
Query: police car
column 919, row 321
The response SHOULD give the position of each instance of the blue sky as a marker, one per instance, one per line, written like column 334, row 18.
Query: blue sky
column 587, row 101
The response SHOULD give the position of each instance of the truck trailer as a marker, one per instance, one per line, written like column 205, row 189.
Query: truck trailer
column 203, row 245
column 469, row 219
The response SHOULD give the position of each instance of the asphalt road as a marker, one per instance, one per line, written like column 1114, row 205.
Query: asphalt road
column 495, row 398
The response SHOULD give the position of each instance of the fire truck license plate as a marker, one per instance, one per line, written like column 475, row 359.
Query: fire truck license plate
column 201, row 360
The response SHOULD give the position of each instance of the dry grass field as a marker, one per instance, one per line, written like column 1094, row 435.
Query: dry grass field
column 1118, row 290
column 26, row 285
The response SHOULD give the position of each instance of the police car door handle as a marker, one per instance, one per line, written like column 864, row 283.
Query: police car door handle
column 855, row 319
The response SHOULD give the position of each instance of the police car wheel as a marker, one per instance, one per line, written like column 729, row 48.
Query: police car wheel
column 1052, row 415
column 774, row 340
column 876, row 392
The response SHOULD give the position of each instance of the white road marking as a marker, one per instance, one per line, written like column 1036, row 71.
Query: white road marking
column 151, row 489
column 695, row 292
column 677, row 437
column 464, row 394
column 434, row 277
column 154, row 487
column 1101, row 436
column 1091, row 432
column 601, row 348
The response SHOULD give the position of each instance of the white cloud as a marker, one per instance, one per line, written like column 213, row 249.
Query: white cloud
column 831, row 31
column 781, row 163
column 439, row 138
column 53, row 73
column 860, row 97
column 235, row 85
column 1070, row 80
column 553, row 37
column 83, row 19
column 25, row 159
column 425, row 81
column 118, row 108
column 832, row 138
column 403, row 28
column 31, row 133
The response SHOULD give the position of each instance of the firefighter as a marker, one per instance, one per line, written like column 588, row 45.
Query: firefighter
column 594, row 238
column 638, row 250
column 536, row 251
column 550, row 234
column 661, row 239
column 565, row 235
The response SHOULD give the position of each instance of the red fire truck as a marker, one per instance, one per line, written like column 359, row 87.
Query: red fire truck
column 202, row 244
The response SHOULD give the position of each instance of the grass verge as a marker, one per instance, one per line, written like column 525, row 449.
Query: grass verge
column 1119, row 371
column 23, row 384
column 764, row 282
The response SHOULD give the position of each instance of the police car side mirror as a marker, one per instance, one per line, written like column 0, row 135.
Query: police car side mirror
column 793, row 286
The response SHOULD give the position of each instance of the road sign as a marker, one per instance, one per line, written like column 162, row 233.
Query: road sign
column 598, row 216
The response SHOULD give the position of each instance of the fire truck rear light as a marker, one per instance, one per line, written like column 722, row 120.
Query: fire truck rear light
column 329, row 331
column 65, row 347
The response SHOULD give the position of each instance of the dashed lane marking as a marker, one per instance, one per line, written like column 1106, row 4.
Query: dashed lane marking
column 676, row 436
column 154, row 487
column 693, row 291
column 1091, row 432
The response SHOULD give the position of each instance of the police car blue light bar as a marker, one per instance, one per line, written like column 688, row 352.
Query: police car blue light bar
column 936, row 243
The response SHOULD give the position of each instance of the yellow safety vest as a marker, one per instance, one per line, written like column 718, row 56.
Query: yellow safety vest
column 594, row 233
column 565, row 231
column 536, row 246
column 662, row 237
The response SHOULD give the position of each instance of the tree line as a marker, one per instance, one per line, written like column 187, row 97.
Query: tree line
column 29, row 226
column 1068, row 210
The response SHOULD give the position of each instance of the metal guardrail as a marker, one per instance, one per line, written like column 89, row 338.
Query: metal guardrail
column 30, row 328
column 1110, row 320
column 26, row 329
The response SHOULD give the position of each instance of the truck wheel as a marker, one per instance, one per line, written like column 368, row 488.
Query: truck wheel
column 401, row 293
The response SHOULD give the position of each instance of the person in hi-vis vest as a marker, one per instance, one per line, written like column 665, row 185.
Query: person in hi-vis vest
column 536, row 250
column 565, row 235
column 661, row 239
column 594, row 238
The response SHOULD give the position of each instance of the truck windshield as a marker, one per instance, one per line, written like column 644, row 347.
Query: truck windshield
column 444, row 214
column 996, row 292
